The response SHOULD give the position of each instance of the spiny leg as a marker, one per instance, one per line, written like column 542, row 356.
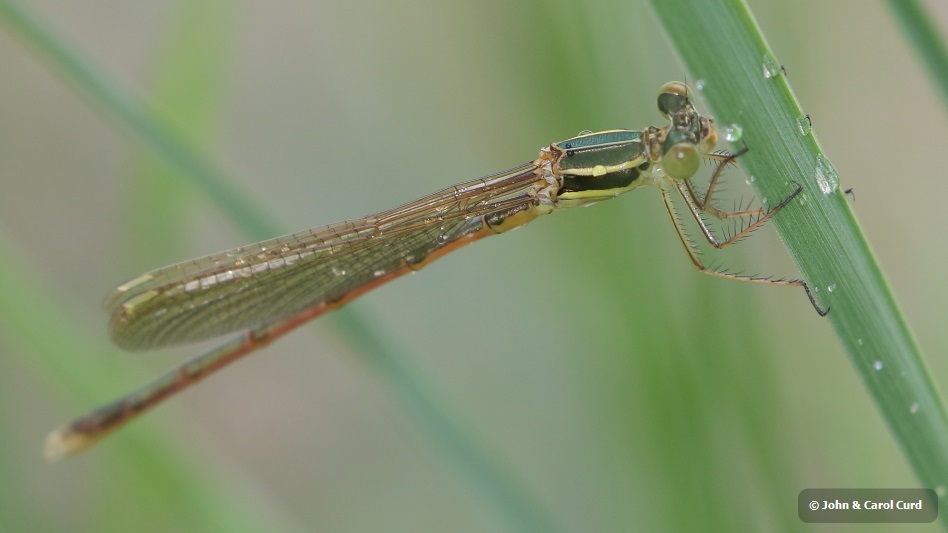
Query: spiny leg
column 704, row 202
column 762, row 216
column 698, row 204
column 693, row 254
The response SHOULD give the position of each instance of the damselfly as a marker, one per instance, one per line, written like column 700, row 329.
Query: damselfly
column 271, row 287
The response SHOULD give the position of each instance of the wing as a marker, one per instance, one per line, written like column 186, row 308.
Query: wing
column 260, row 283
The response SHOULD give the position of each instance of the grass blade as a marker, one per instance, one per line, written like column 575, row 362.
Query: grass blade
column 923, row 35
column 743, row 83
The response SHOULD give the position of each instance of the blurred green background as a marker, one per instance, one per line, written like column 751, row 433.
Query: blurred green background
column 609, row 384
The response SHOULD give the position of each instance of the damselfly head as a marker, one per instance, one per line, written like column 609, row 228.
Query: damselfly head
column 688, row 137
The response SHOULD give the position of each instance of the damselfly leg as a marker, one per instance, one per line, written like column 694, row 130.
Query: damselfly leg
column 698, row 204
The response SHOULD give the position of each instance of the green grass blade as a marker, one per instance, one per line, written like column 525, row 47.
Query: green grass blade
column 742, row 81
column 480, row 468
column 923, row 35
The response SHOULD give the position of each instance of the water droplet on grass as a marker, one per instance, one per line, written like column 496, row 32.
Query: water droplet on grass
column 732, row 132
column 804, row 124
column 770, row 67
column 826, row 176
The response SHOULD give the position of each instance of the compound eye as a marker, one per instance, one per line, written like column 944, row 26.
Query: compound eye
column 672, row 97
column 674, row 87
column 681, row 161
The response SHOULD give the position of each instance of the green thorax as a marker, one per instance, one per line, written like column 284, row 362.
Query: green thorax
column 596, row 166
